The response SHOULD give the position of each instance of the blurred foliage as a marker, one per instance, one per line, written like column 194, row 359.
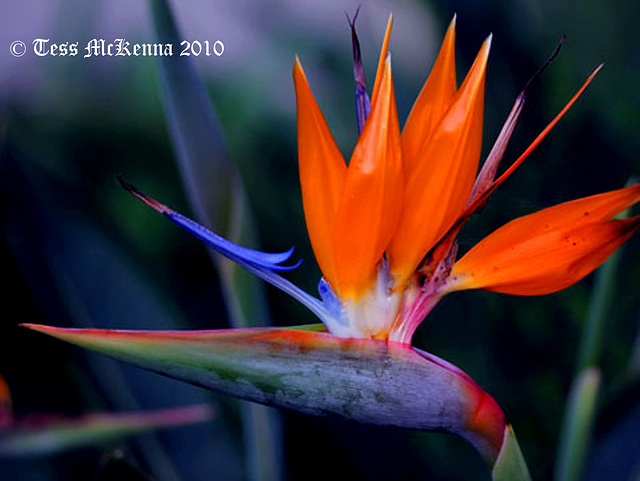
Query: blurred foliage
column 67, row 228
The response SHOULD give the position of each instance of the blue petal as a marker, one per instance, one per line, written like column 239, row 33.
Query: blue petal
column 262, row 264
column 363, row 106
column 331, row 301
column 259, row 263
column 227, row 248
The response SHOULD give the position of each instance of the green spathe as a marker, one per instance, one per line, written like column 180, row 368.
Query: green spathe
column 313, row 372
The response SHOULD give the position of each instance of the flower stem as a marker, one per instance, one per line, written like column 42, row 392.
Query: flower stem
column 577, row 425
column 580, row 409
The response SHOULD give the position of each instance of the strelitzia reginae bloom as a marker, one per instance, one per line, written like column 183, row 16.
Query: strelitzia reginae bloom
column 383, row 230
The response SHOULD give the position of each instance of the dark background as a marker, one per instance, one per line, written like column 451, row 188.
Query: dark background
column 76, row 250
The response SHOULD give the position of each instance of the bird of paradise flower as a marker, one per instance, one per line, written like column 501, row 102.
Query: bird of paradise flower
column 383, row 231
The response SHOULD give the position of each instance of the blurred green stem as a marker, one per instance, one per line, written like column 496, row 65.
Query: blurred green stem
column 591, row 343
column 579, row 416
column 215, row 192
column 633, row 369
column 577, row 426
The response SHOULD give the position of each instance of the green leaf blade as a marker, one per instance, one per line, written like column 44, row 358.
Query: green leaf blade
column 59, row 435
column 217, row 197
column 578, row 425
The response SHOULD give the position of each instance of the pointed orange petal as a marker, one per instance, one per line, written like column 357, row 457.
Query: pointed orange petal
column 484, row 186
column 439, row 186
column 372, row 200
column 382, row 59
column 322, row 174
column 480, row 197
column 434, row 100
column 552, row 249
column 489, row 169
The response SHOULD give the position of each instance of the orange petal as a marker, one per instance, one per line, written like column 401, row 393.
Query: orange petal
column 439, row 186
column 434, row 100
column 484, row 185
column 322, row 174
column 552, row 249
column 382, row 59
column 371, row 204
column 480, row 197
column 489, row 169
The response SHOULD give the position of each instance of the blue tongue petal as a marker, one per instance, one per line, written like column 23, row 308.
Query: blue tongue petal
column 363, row 105
column 263, row 264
